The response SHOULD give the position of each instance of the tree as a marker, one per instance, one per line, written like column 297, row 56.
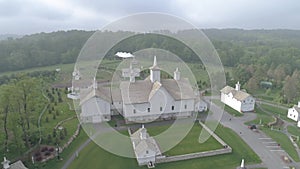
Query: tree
column 25, row 95
column 290, row 89
column 5, row 108
column 252, row 84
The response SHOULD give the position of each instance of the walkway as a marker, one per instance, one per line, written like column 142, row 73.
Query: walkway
column 72, row 158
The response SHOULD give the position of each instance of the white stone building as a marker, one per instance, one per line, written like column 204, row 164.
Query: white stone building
column 237, row 99
column 142, row 100
column 293, row 113
column 145, row 147
column 17, row 165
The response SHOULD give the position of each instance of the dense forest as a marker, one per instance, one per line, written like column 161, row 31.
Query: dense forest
column 252, row 55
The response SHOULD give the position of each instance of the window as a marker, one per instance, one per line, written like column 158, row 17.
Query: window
column 134, row 111
column 185, row 106
column 160, row 108
column 148, row 109
column 172, row 107
column 147, row 151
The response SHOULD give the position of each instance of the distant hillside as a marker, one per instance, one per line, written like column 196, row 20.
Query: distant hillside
column 11, row 36
column 235, row 46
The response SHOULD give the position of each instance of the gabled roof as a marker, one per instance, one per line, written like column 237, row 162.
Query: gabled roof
column 155, row 87
column 141, row 145
column 106, row 93
column 227, row 89
column 179, row 89
column 237, row 94
column 142, row 91
column 137, row 92
column 296, row 108
column 18, row 165
column 146, row 144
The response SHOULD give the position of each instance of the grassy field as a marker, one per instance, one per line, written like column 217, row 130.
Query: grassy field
column 93, row 157
column 227, row 108
column 282, row 113
column 190, row 143
column 294, row 131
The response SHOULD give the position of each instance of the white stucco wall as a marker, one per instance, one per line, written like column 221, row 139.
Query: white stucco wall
column 144, row 158
column 293, row 114
column 95, row 110
column 246, row 105
column 155, row 75
column 161, row 99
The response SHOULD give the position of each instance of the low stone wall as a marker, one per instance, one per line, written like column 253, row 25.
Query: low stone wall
column 71, row 139
column 213, row 135
column 163, row 159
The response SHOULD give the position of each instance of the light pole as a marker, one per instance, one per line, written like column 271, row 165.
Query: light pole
column 57, row 151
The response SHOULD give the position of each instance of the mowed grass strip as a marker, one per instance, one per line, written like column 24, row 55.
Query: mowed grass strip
column 295, row 131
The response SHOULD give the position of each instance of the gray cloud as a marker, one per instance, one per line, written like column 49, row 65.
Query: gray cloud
column 30, row 16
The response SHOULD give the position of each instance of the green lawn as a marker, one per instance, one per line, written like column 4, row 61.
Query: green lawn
column 294, row 131
column 93, row 157
column 190, row 143
column 227, row 108
column 282, row 113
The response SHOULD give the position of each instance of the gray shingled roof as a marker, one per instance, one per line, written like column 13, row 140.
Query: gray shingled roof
column 237, row 94
column 142, row 145
column 141, row 91
column 18, row 165
column 179, row 89
column 106, row 93
column 227, row 89
column 297, row 108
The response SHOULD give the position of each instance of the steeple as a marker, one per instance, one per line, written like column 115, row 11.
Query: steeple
column 238, row 86
column 154, row 62
column 5, row 163
column 176, row 74
column 154, row 71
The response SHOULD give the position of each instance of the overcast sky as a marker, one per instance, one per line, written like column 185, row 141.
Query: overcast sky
column 33, row 16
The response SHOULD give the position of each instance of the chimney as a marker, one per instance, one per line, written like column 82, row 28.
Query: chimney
column 177, row 74
column 143, row 133
column 5, row 163
column 238, row 86
column 95, row 85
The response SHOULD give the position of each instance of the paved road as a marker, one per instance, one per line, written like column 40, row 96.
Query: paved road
column 70, row 160
column 271, row 158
